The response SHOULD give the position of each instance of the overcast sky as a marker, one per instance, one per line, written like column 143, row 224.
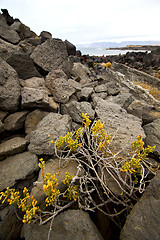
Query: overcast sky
column 81, row 21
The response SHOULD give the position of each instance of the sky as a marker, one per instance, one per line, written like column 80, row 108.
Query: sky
column 84, row 21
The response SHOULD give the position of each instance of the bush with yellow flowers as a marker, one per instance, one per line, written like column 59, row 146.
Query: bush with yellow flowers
column 27, row 203
column 91, row 147
column 99, row 172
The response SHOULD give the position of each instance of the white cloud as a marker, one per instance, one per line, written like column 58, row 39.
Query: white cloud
column 86, row 20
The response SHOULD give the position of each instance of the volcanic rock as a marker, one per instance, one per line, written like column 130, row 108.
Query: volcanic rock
column 52, row 54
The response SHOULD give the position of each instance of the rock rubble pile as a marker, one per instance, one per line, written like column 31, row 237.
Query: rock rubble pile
column 44, row 89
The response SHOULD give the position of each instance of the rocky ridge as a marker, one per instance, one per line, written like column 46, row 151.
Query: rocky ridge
column 45, row 86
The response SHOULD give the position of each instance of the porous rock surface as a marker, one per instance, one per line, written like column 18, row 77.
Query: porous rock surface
column 17, row 167
column 10, row 88
column 72, row 224
column 52, row 54
column 51, row 127
column 143, row 221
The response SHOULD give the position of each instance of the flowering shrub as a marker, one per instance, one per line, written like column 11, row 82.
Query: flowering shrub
column 27, row 203
column 107, row 65
column 103, row 177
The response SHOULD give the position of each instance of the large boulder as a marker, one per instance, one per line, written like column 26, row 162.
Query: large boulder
column 7, row 33
column 122, row 126
column 32, row 119
column 82, row 73
column 35, row 82
column 50, row 128
column 35, row 94
column 58, row 84
column 146, row 112
column 23, row 65
column 13, row 146
column 85, row 93
column 15, row 121
column 44, row 35
column 52, row 54
column 10, row 225
column 34, row 98
column 71, row 224
column 16, row 168
column 9, row 19
column 71, row 49
column 75, row 110
column 10, row 88
column 21, row 29
column 143, row 222
column 152, row 131
column 6, row 49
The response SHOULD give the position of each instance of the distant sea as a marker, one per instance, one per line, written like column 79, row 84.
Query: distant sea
column 101, row 51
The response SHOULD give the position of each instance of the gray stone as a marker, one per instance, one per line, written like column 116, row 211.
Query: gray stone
column 26, row 46
column 7, row 48
column 10, row 225
column 71, row 49
column 102, row 95
column 113, row 88
column 17, row 167
column 85, row 94
column 53, row 106
column 76, row 85
column 75, row 110
column 52, row 54
column 152, row 131
column 10, row 88
column 34, row 98
column 25, row 70
column 82, row 72
column 124, row 129
column 148, row 113
column 124, row 99
column 143, row 221
column 66, row 106
column 57, row 83
column 34, row 41
column 21, row 29
column 101, row 88
column 15, row 121
column 35, row 82
column 91, row 84
column 53, row 166
column 71, row 224
column 7, row 33
column 32, row 119
column 13, row 146
column 35, row 94
column 44, row 35
column 51, row 127
column 122, row 126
